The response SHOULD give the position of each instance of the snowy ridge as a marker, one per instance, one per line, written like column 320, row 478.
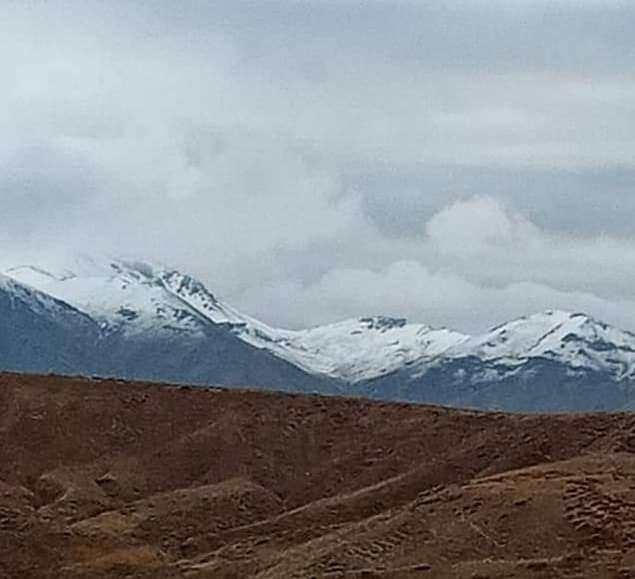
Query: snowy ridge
column 363, row 349
column 140, row 299
column 120, row 297
column 574, row 339
column 137, row 298
column 39, row 302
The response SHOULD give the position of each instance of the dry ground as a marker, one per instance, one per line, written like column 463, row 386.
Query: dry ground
column 103, row 479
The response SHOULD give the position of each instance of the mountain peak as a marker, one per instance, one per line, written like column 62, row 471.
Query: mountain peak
column 140, row 298
column 121, row 296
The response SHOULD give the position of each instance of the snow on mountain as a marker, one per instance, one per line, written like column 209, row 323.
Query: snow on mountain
column 119, row 296
column 38, row 302
column 140, row 299
column 574, row 339
column 362, row 349
column 353, row 350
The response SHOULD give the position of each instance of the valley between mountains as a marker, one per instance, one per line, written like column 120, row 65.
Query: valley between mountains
column 113, row 480
column 137, row 321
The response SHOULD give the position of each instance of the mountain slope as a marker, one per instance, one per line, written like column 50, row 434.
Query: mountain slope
column 574, row 339
column 158, row 323
column 550, row 362
column 138, row 299
column 121, row 298
column 141, row 329
column 42, row 334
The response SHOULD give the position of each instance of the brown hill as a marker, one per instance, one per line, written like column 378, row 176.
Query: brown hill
column 103, row 479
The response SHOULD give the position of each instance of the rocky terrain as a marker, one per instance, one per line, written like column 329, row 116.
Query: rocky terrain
column 107, row 479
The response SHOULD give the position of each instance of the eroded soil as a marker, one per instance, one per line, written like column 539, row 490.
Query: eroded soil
column 105, row 479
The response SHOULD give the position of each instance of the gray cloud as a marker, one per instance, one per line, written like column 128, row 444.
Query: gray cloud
column 456, row 162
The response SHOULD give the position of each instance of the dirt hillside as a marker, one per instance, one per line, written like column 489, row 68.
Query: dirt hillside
column 105, row 479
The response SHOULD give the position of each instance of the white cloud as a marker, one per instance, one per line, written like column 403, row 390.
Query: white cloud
column 480, row 264
column 479, row 224
column 490, row 243
column 223, row 140
column 408, row 289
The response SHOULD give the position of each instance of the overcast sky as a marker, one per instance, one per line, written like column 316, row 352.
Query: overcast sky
column 457, row 163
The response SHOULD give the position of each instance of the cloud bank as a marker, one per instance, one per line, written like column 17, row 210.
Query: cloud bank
column 456, row 163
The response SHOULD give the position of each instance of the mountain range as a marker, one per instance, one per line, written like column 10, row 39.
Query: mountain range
column 137, row 321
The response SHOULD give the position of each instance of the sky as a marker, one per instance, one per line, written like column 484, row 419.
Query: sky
column 455, row 163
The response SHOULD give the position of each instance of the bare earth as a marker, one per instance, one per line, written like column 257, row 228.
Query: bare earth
column 107, row 479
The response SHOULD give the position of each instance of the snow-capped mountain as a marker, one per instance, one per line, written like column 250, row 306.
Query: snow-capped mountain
column 142, row 328
column 573, row 339
column 128, row 298
column 155, row 322
column 363, row 349
column 550, row 362
column 140, row 299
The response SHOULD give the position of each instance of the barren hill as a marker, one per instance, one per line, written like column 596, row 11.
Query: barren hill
column 105, row 479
